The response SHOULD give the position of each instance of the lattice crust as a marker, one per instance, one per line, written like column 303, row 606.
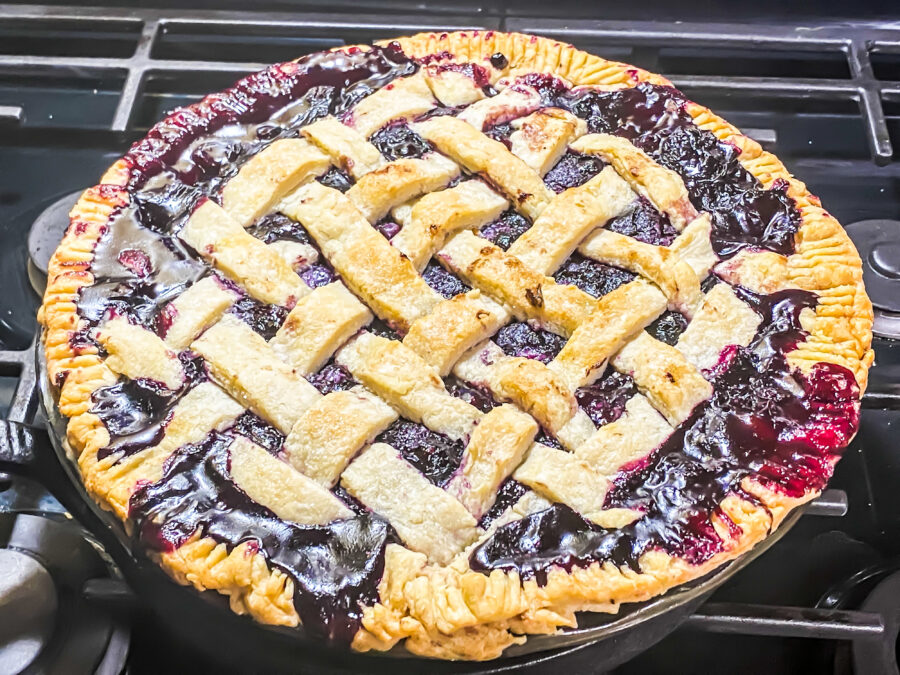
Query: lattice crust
column 428, row 596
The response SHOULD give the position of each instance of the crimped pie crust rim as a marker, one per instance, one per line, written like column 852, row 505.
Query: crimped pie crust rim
column 470, row 615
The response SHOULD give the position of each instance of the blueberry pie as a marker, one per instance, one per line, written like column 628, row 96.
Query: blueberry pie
column 443, row 341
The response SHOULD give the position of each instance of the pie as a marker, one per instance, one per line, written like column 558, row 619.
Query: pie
column 442, row 341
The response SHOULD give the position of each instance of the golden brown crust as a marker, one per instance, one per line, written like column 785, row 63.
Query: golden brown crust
column 453, row 612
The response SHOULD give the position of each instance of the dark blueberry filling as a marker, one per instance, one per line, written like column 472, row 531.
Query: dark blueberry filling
column 332, row 377
column 336, row 567
column 604, row 400
column 278, row 227
column 474, row 396
column 397, row 140
column 594, row 278
column 509, row 493
column 136, row 272
column 499, row 61
column 435, row 455
column 352, row 502
column 259, row 431
column 264, row 319
column 387, row 228
column 653, row 117
column 163, row 201
column 554, row 92
column 337, row 179
column 520, row 339
column 443, row 281
column 645, row 223
column 572, row 170
column 382, row 329
column 318, row 275
column 546, row 439
column 135, row 412
column 501, row 132
column 764, row 420
column 506, row 229
column 281, row 99
column 668, row 327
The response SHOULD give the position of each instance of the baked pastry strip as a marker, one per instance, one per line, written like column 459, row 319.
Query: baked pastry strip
column 723, row 319
column 430, row 221
column 273, row 483
column 663, row 187
column 427, row 518
column 403, row 379
column 372, row 268
column 333, row 430
column 347, row 148
column 245, row 366
column 135, row 352
column 203, row 409
column 509, row 104
column 541, row 138
column 404, row 98
column 269, row 175
column 496, row 447
column 194, row 311
column 530, row 295
column 453, row 87
column 659, row 264
column 247, row 261
column 482, row 155
column 377, row 192
column 569, row 218
column 319, row 323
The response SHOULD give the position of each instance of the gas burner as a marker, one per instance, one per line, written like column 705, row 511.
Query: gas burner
column 875, row 590
column 878, row 243
column 44, row 236
column 47, row 624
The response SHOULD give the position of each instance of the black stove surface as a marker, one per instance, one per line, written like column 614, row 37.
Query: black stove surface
column 830, row 111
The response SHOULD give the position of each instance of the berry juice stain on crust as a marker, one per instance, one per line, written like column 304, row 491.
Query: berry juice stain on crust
column 764, row 421
column 336, row 567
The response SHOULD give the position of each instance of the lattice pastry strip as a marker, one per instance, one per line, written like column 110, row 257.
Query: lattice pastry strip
column 195, row 310
column 372, row 268
column 564, row 477
column 269, row 175
column 203, row 409
column 333, row 430
column 569, row 218
column 247, row 261
column 288, row 493
column 482, row 155
column 496, row 447
column 408, row 383
column 403, row 98
column 246, row 366
column 427, row 518
column 663, row 187
column 430, row 221
column 347, row 148
column 319, row 323
column 135, row 352
column 723, row 319
column 509, row 104
column 541, row 138
column 659, row 264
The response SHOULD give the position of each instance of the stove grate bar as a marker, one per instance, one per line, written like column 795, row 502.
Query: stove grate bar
column 850, row 43
column 779, row 621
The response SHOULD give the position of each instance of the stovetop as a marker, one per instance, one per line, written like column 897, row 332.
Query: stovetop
column 78, row 85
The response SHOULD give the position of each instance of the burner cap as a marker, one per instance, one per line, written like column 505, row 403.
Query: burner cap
column 28, row 594
column 44, row 236
column 878, row 243
column 47, row 624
